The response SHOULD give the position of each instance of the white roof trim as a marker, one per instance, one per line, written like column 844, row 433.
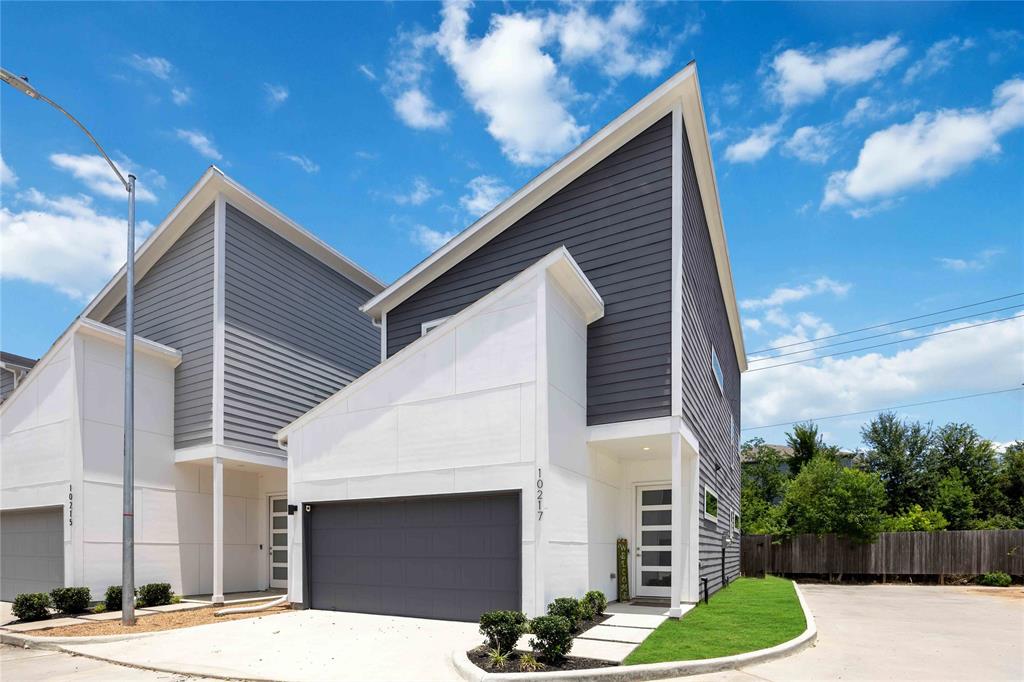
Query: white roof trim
column 191, row 206
column 683, row 86
column 100, row 330
column 563, row 269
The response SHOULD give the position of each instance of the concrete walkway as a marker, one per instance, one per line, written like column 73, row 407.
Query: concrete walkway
column 37, row 665
column 302, row 646
column 902, row 632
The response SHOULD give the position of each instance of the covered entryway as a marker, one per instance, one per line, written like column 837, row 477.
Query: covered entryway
column 31, row 551
column 448, row 557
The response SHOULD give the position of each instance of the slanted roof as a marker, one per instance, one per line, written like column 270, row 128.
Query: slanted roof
column 562, row 267
column 14, row 360
column 682, row 88
column 197, row 200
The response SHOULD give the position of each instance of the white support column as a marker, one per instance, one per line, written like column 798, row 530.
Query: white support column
column 691, row 521
column 218, row 530
column 678, row 528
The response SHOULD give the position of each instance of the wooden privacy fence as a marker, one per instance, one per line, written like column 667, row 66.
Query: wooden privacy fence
column 952, row 552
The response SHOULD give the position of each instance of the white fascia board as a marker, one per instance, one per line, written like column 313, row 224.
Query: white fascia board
column 643, row 428
column 563, row 268
column 201, row 195
column 142, row 345
column 230, row 456
column 682, row 86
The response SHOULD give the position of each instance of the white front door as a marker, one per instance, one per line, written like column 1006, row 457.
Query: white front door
column 279, row 541
column 654, row 541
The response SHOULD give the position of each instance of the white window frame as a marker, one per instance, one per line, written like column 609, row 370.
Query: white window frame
column 430, row 324
column 716, row 369
column 718, row 503
column 735, row 524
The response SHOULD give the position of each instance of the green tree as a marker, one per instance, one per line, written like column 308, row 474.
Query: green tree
column 1011, row 481
column 826, row 497
column 955, row 500
column 759, row 516
column 806, row 445
column 763, row 470
column 960, row 447
column 896, row 452
column 916, row 519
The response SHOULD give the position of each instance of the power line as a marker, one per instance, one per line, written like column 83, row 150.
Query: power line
column 895, row 331
column 883, row 409
column 880, row 345
column 887, row 324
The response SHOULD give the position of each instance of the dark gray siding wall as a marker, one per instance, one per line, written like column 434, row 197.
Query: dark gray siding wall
column 293, row 333
column 616, row 221
column 6, row 384
column 174, row 306
column 705, row 407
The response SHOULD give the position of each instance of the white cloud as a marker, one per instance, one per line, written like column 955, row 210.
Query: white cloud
column 368, row 72
column 970, row 361
column 752, row 323
column 756, row 145
column 181, row 96
column 303, row 162
column 200, row 142
column 485, row 192
column 929, row 149
column 802, row 76
column 980, row 261
column 416, row 109
column 92, row 170
column 731, row 94
column 8, row 178
column 421, row 193
column 63, row 243
column 788, row 294
column 508, row 77
column 276, row 94
column 938, row 58
column 429, row 239
column 154, row 66
column 868, row 109
column 810, row 144
column 610, row 41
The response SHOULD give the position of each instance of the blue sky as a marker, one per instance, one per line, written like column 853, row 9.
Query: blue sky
column 869, row 158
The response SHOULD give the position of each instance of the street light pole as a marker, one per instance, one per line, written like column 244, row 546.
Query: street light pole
column 128, row 483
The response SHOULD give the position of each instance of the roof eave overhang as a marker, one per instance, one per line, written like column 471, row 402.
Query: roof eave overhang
column 682, row 88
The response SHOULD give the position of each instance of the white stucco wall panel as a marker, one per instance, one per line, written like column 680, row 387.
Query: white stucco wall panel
column 36, row 456
column 566, row 571
column 365, row 441
column 496, row 349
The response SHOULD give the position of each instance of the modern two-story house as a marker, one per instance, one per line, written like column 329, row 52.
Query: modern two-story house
column 562, row 374
column 244, row 321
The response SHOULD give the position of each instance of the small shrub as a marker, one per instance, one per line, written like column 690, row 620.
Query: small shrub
column 154, row 594
column 552, row 637
column 995, row 579
column 502, row 628
column 112, row 598
column 31, row 606
column 100, row 608
column 71, row 600
column 529, row 664
column 497, row 658
column 597, row 602
column 175, row 598
column 568, row 608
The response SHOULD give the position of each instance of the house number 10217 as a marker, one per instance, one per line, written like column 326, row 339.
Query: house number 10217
column 540, row 495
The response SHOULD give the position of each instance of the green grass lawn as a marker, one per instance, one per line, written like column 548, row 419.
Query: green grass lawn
column 750, row 614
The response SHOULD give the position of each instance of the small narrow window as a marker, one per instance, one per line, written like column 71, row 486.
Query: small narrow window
column 428, row 326
column 736, row 524
column 710, row 504
column 717, row 367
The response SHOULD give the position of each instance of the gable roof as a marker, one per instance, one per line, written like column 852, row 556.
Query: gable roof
column 682, row 88
column 197, row 200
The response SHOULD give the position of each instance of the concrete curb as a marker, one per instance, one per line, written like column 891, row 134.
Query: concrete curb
column 54, row 643
column 652, row 671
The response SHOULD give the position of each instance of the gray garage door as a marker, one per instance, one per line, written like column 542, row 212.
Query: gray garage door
column 31, row 551
column 449, row 557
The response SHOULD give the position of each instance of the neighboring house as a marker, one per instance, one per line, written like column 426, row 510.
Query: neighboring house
column 13, row 369
column 563, row 373
column 244, row 321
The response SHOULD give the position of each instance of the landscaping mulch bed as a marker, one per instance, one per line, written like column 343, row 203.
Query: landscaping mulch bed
column 592, row 623
column 152, row 623
column 481, row 660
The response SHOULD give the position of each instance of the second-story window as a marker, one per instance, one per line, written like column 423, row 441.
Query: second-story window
column 428, row 326
column 717, row 367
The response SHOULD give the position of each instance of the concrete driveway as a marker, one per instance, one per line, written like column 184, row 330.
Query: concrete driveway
column 302, row 646
column 903, row 632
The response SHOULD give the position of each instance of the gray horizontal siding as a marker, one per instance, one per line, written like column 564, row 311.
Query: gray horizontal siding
column 293, row 333
column 705, row 324
column 616, row 221
column 174, row 306
column 6, row 384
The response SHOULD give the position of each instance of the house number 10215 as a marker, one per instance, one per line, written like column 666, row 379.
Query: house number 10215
column 540, row 495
